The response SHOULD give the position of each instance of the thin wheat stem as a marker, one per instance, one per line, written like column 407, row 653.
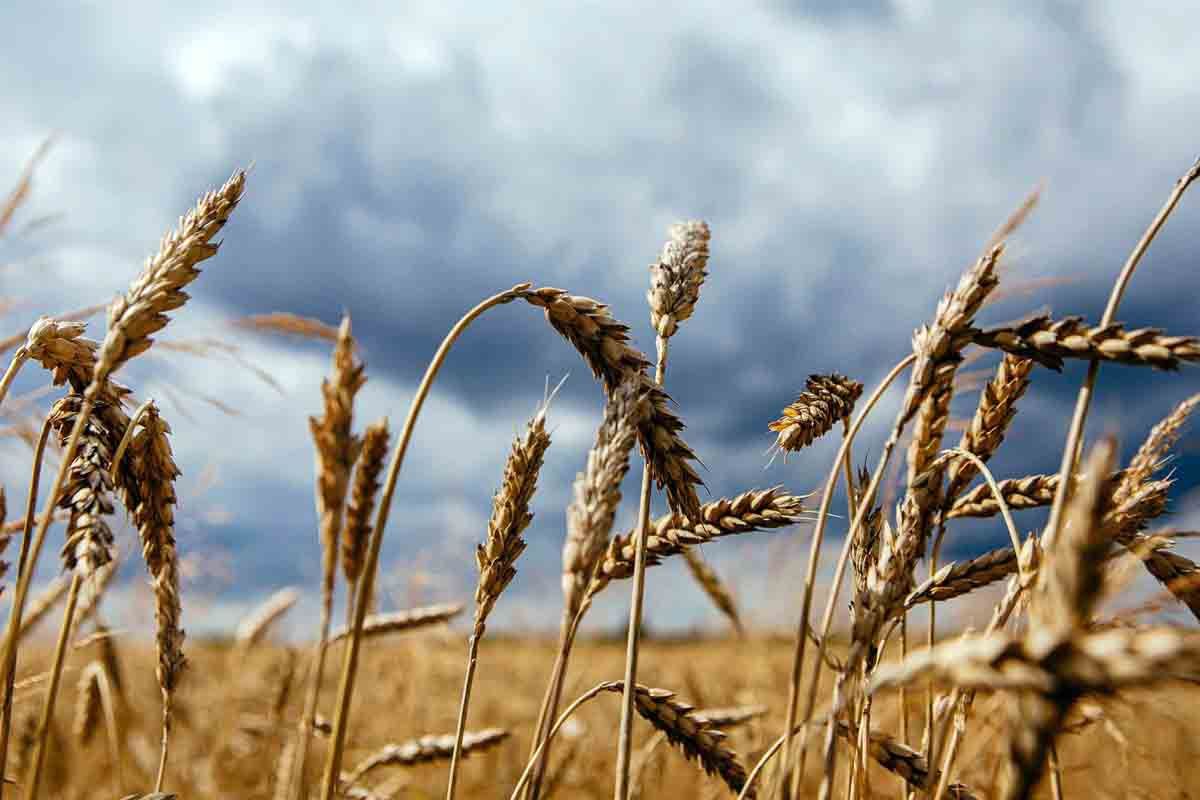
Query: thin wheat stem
column 366, row 583
column 533, row 759
column 814, row 557
column 554, row 695
column 166, row 735
column 18, row 360
column 1074, row 441
column 633, row 636
column 10, row 672
column 60, row 651
column 468, row 682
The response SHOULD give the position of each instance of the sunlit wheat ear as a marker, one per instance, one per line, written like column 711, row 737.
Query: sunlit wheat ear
column 1032, row 491
column 423, row 751
column 958, row 578
column 677, row 275
column 362, row 498
column 87, row 493
column 825, row 401
column 604, row 344
column 698, row 739
column 670, row 534
column 401, row 621
column 254, row 627
column 596, row 496
column 995, row 412
column 142, row 310
column 1049, row 342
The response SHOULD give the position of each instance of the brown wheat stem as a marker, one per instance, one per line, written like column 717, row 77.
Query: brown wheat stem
column 60, row 651
column 366, row 583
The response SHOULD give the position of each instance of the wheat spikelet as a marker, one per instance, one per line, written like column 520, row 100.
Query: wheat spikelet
column 712, row 585
column 956, row 579
column 425, row 750
column 362, row 498
column 604, row 344
column 696, row 738
column 997, row 407
column 510, row 517
column 826, row 400
column 670, row 534
column 141, row 311
column 1154, row 450
column 155, row 471
column 400, row 621
column 255, row 625
column 87, row 703
column 677, row 275
column 87, row 492
column 596, row 495
column 1049, row 342
column 1032, row 491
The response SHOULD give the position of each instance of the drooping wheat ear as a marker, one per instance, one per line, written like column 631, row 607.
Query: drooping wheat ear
column 677, row 275
column 698, row 739
column 362, row 498
column 956, row 579
column 604, row 344
column 1032, row 491
column 155, row 471
column 1153, row 453
column 670, row 534
column 87, row 493
column 997, row 407
column 424, row 750
column 1049, row 342
column 498, row 554
column 825, row 401
column 336, row 450
column 900, row 759
column 730, row 717
column 595, row 497
column 142, row 310
column 401, row 621
column 255, row 625
column 714, row 587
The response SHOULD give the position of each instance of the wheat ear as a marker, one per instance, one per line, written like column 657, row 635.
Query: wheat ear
column 826, row 400
column 424, row 750
column 498, row 554
column 401, row 621
column 1049, row 342
column 362, row 502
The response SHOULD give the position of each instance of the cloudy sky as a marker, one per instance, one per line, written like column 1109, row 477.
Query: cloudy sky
column 410, row 159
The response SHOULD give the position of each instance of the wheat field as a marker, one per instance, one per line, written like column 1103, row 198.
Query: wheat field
column 1055, row 696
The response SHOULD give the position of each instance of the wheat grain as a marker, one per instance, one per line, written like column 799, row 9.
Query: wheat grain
column 1049, row 342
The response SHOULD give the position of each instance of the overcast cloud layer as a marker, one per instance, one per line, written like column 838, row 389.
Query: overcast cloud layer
column 851, row 158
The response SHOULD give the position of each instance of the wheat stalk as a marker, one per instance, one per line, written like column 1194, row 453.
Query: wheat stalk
column 498, row 554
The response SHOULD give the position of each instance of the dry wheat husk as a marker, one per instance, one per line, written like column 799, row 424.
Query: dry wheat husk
column 1049, row 342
